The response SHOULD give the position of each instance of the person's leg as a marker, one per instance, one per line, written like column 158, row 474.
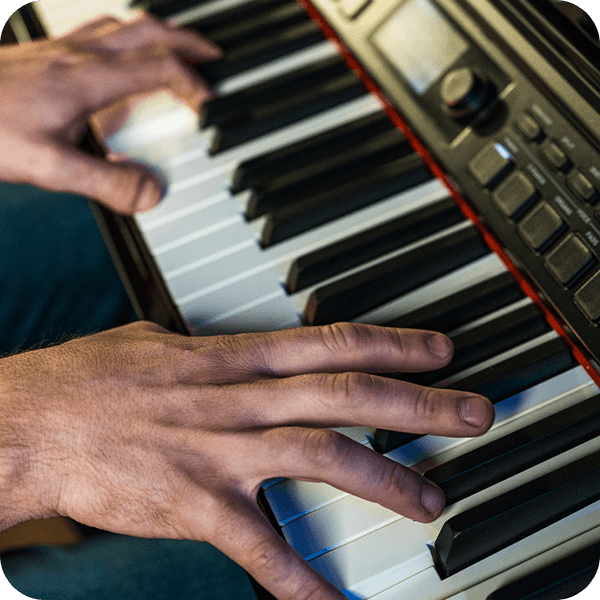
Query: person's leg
column 57, row 280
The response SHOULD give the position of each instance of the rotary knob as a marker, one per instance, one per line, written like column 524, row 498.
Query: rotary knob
column 465, row 94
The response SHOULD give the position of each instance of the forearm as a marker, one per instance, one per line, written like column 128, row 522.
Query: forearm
column 22, row 484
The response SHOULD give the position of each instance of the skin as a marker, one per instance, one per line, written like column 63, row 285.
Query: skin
column 143, row 432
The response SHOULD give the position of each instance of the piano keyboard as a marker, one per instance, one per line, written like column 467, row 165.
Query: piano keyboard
column 296, row 194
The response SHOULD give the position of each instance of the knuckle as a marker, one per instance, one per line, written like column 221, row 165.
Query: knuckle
column 344, row 337
column 323, row 448
column 351, row 388
column 427, row 403
column 393, row 479
column 264, row 556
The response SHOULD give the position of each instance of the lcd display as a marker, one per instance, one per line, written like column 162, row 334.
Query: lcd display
column 420, row 43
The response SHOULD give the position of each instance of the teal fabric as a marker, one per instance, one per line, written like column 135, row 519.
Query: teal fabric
column 111, row 567
column 57, row 281
column 56, row 276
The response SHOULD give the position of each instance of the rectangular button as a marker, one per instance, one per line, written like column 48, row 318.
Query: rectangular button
column 581, row 186
column 569, row 260
column 555, row 157
column 515, row 195
column 491, row 165
column 587, row 298
column 530, row 128
column 541, row 227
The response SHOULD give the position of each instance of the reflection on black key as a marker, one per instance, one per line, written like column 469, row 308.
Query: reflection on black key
column 498, row 382
column 360, row 292
column 486, row 340
column 271, row 17
column 517, row 451
column 239, row 105
column 274, row 115
column 257, row 52
column 563, row 579
column 245, row 11
column 463, row 307
column 258, row 170
column 518, row 373
column 357, row 192
column 317, row 266
column 164, row 8
column 494, row 525
column 287, row 188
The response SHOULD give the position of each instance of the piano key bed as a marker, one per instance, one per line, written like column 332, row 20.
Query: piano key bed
column 297, row 202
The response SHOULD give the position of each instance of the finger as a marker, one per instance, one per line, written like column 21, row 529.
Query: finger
column 245, row 535
column 92, row 28
column 125, row 187
column 115, row 77
column 147, row 32
column 337, row 348
column 330, row 457
column 348, row 399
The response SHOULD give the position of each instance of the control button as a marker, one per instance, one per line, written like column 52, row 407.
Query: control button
column 587, row 298
column 465, row 93
column 491, row 165
column 581, row 186
column 515, row 195
column 530, row 128
column 570, row 259
column 555, row 157
column 541, row 227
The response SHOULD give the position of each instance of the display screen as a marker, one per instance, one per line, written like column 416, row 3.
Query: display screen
column 420, row 43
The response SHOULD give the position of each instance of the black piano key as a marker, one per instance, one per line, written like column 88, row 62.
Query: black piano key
column 331, row 260
column 360, row 292
column 517, row 451
column 496, row 524
column 519, row 372
column 255, row 171
column 275, row 115
column 239, row 13
column 463, row 307
column 498, row 382
column 357, row 192
column 166, row 8
column 257, row 52
column 485, row 341
column 287, row 188
column 238, row 106
column 274, row 16
column 562, row 579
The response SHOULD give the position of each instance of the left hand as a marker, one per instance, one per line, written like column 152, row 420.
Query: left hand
column 51, row 88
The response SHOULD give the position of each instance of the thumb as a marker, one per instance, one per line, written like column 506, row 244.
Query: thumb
column 121, row 185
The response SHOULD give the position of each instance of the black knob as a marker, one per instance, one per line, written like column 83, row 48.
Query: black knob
column 465, row 94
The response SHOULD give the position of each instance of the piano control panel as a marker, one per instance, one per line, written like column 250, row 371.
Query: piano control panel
column 517, row 134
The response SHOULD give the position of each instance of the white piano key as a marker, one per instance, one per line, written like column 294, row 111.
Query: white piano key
column 266, row 313
column 275, row 68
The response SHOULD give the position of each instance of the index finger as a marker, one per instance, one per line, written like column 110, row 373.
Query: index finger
column 110, row 35
column 337, row 348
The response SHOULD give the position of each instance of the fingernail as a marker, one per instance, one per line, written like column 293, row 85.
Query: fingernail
column 439, row 345
column 150, row 195
column 432, row 499
column 474, row 410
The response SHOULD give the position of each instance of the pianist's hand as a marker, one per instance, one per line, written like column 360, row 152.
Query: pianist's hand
column 148, row 433
column 51, row 88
